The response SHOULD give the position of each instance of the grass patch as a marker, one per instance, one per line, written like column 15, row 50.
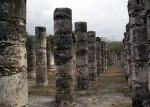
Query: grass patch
column 120, row 80
column 52, row 75
column 123, row 89
column 43, row 91
column 112, row 69
column 121, row 105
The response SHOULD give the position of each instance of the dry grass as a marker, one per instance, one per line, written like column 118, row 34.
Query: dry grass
column 43, row 91
column 121, row 105
column 46, row 90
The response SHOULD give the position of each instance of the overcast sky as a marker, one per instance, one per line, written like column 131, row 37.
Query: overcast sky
column 107, row 17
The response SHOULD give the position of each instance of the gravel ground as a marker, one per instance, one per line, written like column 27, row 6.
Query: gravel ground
column 110, row 90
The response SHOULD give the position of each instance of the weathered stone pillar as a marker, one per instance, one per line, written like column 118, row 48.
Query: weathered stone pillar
column 13, row 64
column 110, row 57
column 63, row 54
column 103, row 44
column 41, row 58
column 98, row 55
column 48, row 52
column 31, row 57
column 128, row 55
column 139, row 53
column 81, row 55
column 92, row 65
column 147, row 9
column 106, row 60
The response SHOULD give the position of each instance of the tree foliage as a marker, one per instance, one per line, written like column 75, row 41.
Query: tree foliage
column 27, row 34
column 115, row 46
column 50, row 38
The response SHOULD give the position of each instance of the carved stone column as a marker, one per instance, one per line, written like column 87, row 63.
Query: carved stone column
column 31, row 57
column 63, row 54
column 48, row 51
column 103, row 44
column 81, row 55
column 13, row 63
column 92, row 65
column 41, row 57
column 139, row 52
column 98, row 55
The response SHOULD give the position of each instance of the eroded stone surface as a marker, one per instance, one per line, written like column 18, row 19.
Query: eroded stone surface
column 31, row 57
column 136, row 51
column 92, row 65
column 41, row 57
column 13, row 64
column 63, row 54
column 82, row 71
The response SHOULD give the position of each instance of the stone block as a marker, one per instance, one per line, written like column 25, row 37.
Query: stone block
column 140, row 52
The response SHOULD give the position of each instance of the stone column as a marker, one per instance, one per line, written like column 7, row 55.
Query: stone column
column 13, row 64
column 31, row 57
column 128, row 55
column 48, row 52
column 147, row 9
column 103, row 44
column 106, row 59
column 98, row 55
column 81, row 55
column 63, row 54
column 41, row 57
column 110, row 57
column 139, row 53
column 92, row 65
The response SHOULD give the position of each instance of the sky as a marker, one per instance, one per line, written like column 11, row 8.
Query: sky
column 107, row 18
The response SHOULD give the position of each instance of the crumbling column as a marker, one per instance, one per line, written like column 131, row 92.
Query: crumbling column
column 128, row 56
column 31, row 57
column 147, row 9
column 106, row 60
column 48, row 52
column 41, row 57
column 13, row 64
column 98, row 55
column 63, row 54
column 81, row 55
column 110, row 57
column 123, row 52
column 139, row 53
column 92, row 65
column 103, row 44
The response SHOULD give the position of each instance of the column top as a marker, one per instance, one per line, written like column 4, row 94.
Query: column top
column 91, row 33
column 62, row 13
column 80, row 26
column 40, row 28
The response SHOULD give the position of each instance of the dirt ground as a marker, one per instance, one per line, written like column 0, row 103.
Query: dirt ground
column 110, row 90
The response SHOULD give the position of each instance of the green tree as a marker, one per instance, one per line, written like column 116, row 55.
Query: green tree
column 50, row 38
column 115, row 46
column 27, row 34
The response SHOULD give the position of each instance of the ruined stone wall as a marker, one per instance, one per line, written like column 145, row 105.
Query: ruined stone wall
column 81, row 55
column 41, row 57
column 31, row 57
column 13, row 64
column 63, row 54
column 92, row 65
